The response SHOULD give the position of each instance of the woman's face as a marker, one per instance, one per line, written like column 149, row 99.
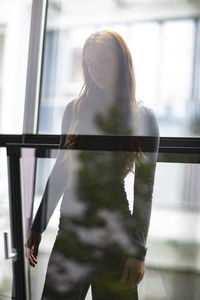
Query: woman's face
column 102, row 64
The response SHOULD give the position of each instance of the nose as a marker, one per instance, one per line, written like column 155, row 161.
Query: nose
column 96, row 68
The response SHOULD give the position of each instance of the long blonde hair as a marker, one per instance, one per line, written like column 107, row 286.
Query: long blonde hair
column 126, row 81
column 126, row 85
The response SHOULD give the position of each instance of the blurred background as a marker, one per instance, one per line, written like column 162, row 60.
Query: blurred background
column 164, row 39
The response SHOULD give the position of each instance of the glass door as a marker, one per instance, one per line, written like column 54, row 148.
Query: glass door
column 166, row 65
column 166, row 81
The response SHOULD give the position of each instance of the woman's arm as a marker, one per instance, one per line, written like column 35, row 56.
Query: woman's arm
column 56, row 182
column 143, row 185
column 134, row 267
column 53, row 191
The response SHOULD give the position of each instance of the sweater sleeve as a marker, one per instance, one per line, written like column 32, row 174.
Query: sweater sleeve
column 143, row 187
column 56, row 182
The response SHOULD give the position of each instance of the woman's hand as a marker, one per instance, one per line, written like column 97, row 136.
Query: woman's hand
column 32, row 245
column 133, row 272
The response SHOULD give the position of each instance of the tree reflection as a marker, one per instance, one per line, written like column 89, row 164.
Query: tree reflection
column 92, row 246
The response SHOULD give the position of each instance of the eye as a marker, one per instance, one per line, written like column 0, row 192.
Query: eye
column 88, row 64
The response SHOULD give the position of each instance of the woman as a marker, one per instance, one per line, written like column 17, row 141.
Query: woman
column 99, row 241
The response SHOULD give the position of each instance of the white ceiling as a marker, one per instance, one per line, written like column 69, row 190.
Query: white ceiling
column 90, row 12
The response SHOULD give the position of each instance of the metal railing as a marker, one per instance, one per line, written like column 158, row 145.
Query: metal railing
column 181, row 150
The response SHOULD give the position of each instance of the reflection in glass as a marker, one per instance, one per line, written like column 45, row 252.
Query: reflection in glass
column 100, row 242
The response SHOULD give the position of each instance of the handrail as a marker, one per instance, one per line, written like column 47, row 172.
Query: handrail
column 171, row 149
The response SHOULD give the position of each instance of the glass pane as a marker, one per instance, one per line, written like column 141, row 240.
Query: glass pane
column 162, row 54
column 176, row 79
column 14, row 37
column 173, row 244
column 94, row 195
column 32, row 183
column 172, row 261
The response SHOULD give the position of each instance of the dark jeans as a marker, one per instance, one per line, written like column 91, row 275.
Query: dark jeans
column 69, row 276
column 91, row 247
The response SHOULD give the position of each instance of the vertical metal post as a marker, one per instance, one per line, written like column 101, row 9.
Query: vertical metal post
column 36, row 47
column 16, row 219
column 32, row 99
